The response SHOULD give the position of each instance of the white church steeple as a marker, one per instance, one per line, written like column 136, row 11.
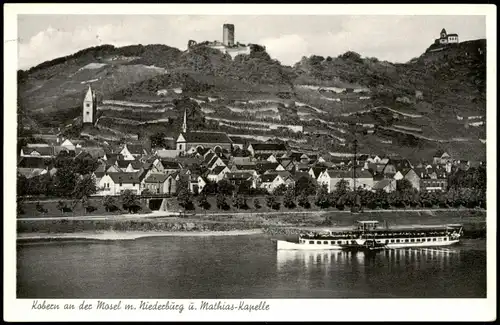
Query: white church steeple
column 89, row 107
column 184, row 123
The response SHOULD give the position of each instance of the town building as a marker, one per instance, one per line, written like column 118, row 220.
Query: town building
column 256, row 149
column 445, row 38
column 89, row 107
column 330, row 178
column 189, row 141
column 116, row 183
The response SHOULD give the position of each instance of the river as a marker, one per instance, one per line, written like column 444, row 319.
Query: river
column 248, row 266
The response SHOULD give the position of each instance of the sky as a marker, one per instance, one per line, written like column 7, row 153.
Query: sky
column 287, row 38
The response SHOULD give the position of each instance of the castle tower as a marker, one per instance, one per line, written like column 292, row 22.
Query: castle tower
column 184, row 123
column 89, row 107
column 228, row 34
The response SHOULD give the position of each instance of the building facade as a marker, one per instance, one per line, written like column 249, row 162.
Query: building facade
column 89, row 107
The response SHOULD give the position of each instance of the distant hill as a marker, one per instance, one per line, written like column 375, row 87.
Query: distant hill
column 437, row 100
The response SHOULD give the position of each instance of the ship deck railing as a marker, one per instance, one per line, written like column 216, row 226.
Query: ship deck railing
column 379, row 235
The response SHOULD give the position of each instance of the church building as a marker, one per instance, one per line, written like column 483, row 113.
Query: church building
column 89, row 107
column 445, row 38
column 189, row 141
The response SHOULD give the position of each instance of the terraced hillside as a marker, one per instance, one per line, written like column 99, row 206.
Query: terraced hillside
column 437, row 100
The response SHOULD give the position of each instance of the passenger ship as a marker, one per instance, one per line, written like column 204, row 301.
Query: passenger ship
column 366, row 236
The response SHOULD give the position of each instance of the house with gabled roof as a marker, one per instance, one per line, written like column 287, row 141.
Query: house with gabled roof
column 41, row 151
column 271, row 181
column 218, row 173
column 441, row 157
column 434, row 179
column 216, row 161
column 160, row 183
column 287, row 164
column 197, row 183
column 262, row 167
column 394, row 165
column 133, row 151
column 410, row 175
column 315, row 171
column 238, row 178
column 330, row 178
column 116, row 183
column 165, row 166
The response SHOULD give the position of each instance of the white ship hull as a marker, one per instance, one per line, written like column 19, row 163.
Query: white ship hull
column 286, row 245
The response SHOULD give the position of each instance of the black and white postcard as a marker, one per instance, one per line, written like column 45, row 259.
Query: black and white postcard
column 249, row 162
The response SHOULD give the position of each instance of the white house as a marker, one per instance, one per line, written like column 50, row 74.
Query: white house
column 132, row 151
column 331, row 178
column 196, row 183
column 217, row 174
column 271, row 181
column 116, row 183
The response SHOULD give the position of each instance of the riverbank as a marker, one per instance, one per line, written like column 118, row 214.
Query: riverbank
column 131, row 235
column 278, row 224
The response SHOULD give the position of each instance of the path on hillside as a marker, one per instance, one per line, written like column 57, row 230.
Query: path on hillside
column 161, row 214
column 424, row 137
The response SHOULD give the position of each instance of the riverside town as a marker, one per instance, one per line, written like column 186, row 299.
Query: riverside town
column 220, row 169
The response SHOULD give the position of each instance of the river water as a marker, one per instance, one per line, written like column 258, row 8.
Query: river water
column 230, row 267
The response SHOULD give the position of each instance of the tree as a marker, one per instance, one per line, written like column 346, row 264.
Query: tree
column 342, row 187
column 203, row 202
column 280, row 190
column 210, row 188
column 225, row 187
column 182, row 184
column 84, row 165
column 272, row 202
column 19, row 206
column 256, row 203
column 65, row 181
column 321, row 199
column 146, row 192
column 21, row 185
column 40, row 208
column 184, row 199
column 61, row 206
column 221, row 202
column 289, row 198
column 244, row 187
column 158, row 140
column 403, row 185
column 109, row 203
column 240, row 202
column 85, row 187
column 303, row 201
column 130, row 201
column 305, row 185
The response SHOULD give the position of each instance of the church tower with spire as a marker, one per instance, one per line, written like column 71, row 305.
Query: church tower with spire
column 89, row 107
column 184, row 123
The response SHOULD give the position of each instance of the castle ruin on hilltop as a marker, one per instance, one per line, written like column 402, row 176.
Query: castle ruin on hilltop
column 227, row 45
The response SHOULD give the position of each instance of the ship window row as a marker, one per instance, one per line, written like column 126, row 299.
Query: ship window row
column 326, row 242
column 387, row 241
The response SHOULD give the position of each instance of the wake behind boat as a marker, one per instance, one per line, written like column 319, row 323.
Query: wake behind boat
column 367, row 236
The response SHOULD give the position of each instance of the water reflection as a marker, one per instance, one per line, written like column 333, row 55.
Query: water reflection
column 313, row 261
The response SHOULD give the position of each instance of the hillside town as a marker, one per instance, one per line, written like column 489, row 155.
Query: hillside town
column 204, row 162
